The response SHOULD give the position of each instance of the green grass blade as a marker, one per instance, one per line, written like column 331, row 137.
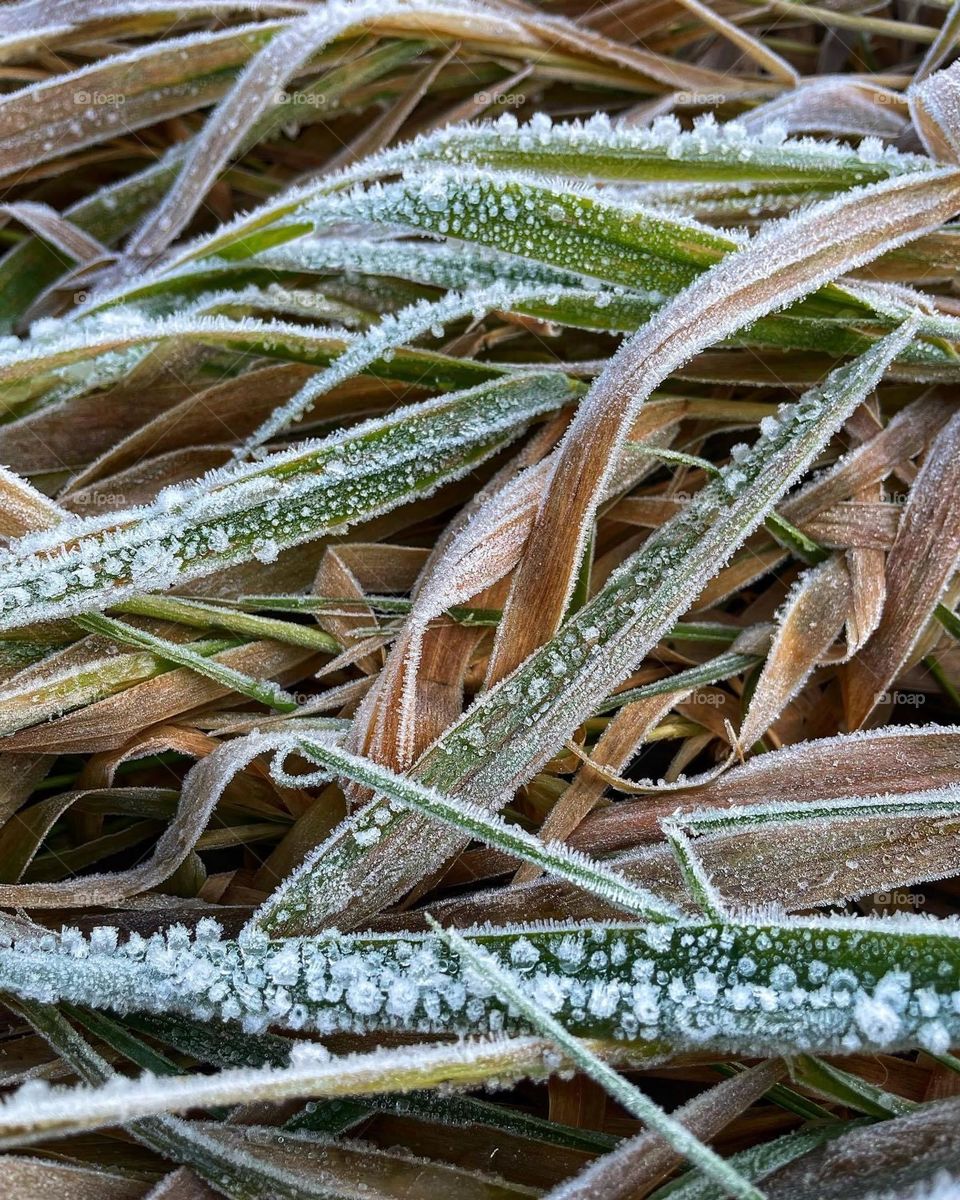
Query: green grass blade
column 626, row 1094
column 255, row 511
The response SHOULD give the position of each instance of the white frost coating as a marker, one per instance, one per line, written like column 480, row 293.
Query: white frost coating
column 504, row 981
column 392, row 332
column 440, row 263
column 240, row 512
column 36, row 1111
column 555, row 857
column 484, row 549
column 810, row 618
column 832, row 748
column 59, row 344
column 731, row 143
column 945, row 801
column 830, row 985
column 802, row 757
column 943, row 1186
column 570, row 226
column 837, row 105
column 578, row 146
column 935, row 108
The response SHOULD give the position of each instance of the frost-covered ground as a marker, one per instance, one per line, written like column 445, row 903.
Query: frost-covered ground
column 478, row 649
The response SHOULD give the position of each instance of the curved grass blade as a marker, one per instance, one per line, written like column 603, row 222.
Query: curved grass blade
column 776, row 267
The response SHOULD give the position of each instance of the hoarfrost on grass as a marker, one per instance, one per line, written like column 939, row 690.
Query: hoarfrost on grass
column 760, row 987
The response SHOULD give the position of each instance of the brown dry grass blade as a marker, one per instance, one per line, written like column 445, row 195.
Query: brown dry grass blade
column 59, row 440
column 34, row 1178
column 613, row 751
column 106, row 888
column 786, row 261
column 47, row 223
column 335, row 578
column 632, row 1170
column 751, row 47
column 868, row 593
column 255, row 91
column 925, row 757
column 935, row 108
column 889, row 1155
column 866, row 562
column 788, row 867
column 861, row 523
column 19, row 775
column 837, row 106
column 419, row 692
column 815, row 612
column 145, row 85
column 111, row 722
column 23, row 509
column 227, row 411
column 664, row 71
column 919, row 568
column 182, row 1184
column 20, row 841
column 324, row 1167
column 910, row 431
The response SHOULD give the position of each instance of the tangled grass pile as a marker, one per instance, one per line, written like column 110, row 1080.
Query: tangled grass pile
column 480, row 698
